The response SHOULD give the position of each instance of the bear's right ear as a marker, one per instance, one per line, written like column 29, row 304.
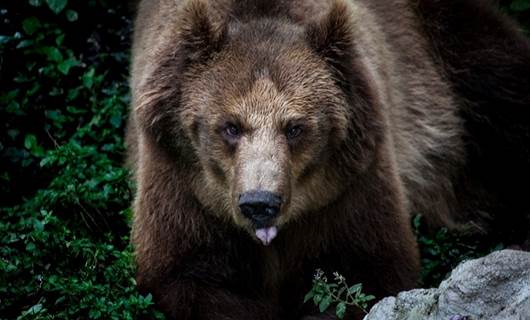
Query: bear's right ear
column 197, row 37
column 201, row 30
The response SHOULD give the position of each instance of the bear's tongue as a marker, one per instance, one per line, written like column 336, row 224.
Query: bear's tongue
column 266, row 234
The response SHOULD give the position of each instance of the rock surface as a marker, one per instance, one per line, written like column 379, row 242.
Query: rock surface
column 495, row 287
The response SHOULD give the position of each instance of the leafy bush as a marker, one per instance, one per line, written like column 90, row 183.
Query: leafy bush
column 65, row 195
column 443, row 250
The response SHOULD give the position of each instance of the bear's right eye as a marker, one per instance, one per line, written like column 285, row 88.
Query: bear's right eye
column 232, row 131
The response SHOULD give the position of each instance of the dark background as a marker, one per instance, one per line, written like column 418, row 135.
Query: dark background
column 64, row 194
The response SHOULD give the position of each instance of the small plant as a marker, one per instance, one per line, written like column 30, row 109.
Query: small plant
column 441, row 251
column 324, row 294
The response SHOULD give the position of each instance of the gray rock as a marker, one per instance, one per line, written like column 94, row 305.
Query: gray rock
column 496, row 287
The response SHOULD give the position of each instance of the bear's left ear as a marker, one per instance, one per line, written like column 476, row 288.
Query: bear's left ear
column 332, row 39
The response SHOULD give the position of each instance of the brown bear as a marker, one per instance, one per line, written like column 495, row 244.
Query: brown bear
column 270, row 138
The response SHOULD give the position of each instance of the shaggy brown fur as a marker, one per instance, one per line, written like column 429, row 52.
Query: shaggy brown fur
column 405, row 106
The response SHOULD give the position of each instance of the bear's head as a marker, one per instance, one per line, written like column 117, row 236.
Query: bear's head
column 272, row 113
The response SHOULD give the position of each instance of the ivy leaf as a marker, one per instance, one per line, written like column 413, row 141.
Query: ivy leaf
column 308, row 296
column 57, row 5
column 59, row 40
column 34, row 309
column 340, row 311
column 24, row 44
column 30, row 25
column 317, row 298
column 4, row 39
column 355, row 289
column 35, row 3
column 324, row 303
column 52, row 53
column 30, row 141
column 88, row 78
column 115, row 120
column 64, row 67
column 71, row 15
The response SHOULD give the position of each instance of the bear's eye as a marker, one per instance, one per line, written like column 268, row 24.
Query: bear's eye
column 294, row 131
column 232, row 130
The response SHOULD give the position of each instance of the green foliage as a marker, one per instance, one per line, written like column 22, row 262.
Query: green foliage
column 443, row 250
column 64, row 248
column 325, row 293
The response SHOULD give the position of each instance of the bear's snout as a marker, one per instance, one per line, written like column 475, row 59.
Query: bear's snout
column 260, row 207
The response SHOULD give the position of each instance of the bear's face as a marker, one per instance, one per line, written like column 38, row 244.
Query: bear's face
column 263, row 120
column 278, row 113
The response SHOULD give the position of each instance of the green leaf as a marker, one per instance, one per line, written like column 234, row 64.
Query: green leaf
column 22, row 78
column 8, row 96
column 4, row 39
column 34, row 309
column 88, row 78
column 71, row 15
column 74, row 110
column 52, row 53
column 33, row 89
column 59, row 40
column 57, row 5
column 115, row 120
column 35, row 3
column 30, row 25
column 340, row 311
column 64, row 67
column 38, row 225
column 30, row 247
column 30, row 141
column 308, row 296
column 14, row 108
column 340, row 291
column 317, row 298
column 73, row 93
column 355, row 289
column 324, row 303
column 46, row 161
column 25, row 43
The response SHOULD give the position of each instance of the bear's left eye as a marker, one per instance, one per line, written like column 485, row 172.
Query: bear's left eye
column 294, row 131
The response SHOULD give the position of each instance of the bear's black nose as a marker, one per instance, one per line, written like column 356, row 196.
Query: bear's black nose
column 260, row 206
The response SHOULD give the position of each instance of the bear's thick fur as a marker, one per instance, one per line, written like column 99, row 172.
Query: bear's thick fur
column 354, row 114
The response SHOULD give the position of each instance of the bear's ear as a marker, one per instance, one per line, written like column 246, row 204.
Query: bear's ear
column 194, row 40
column 201, row 30
column 332, row 39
